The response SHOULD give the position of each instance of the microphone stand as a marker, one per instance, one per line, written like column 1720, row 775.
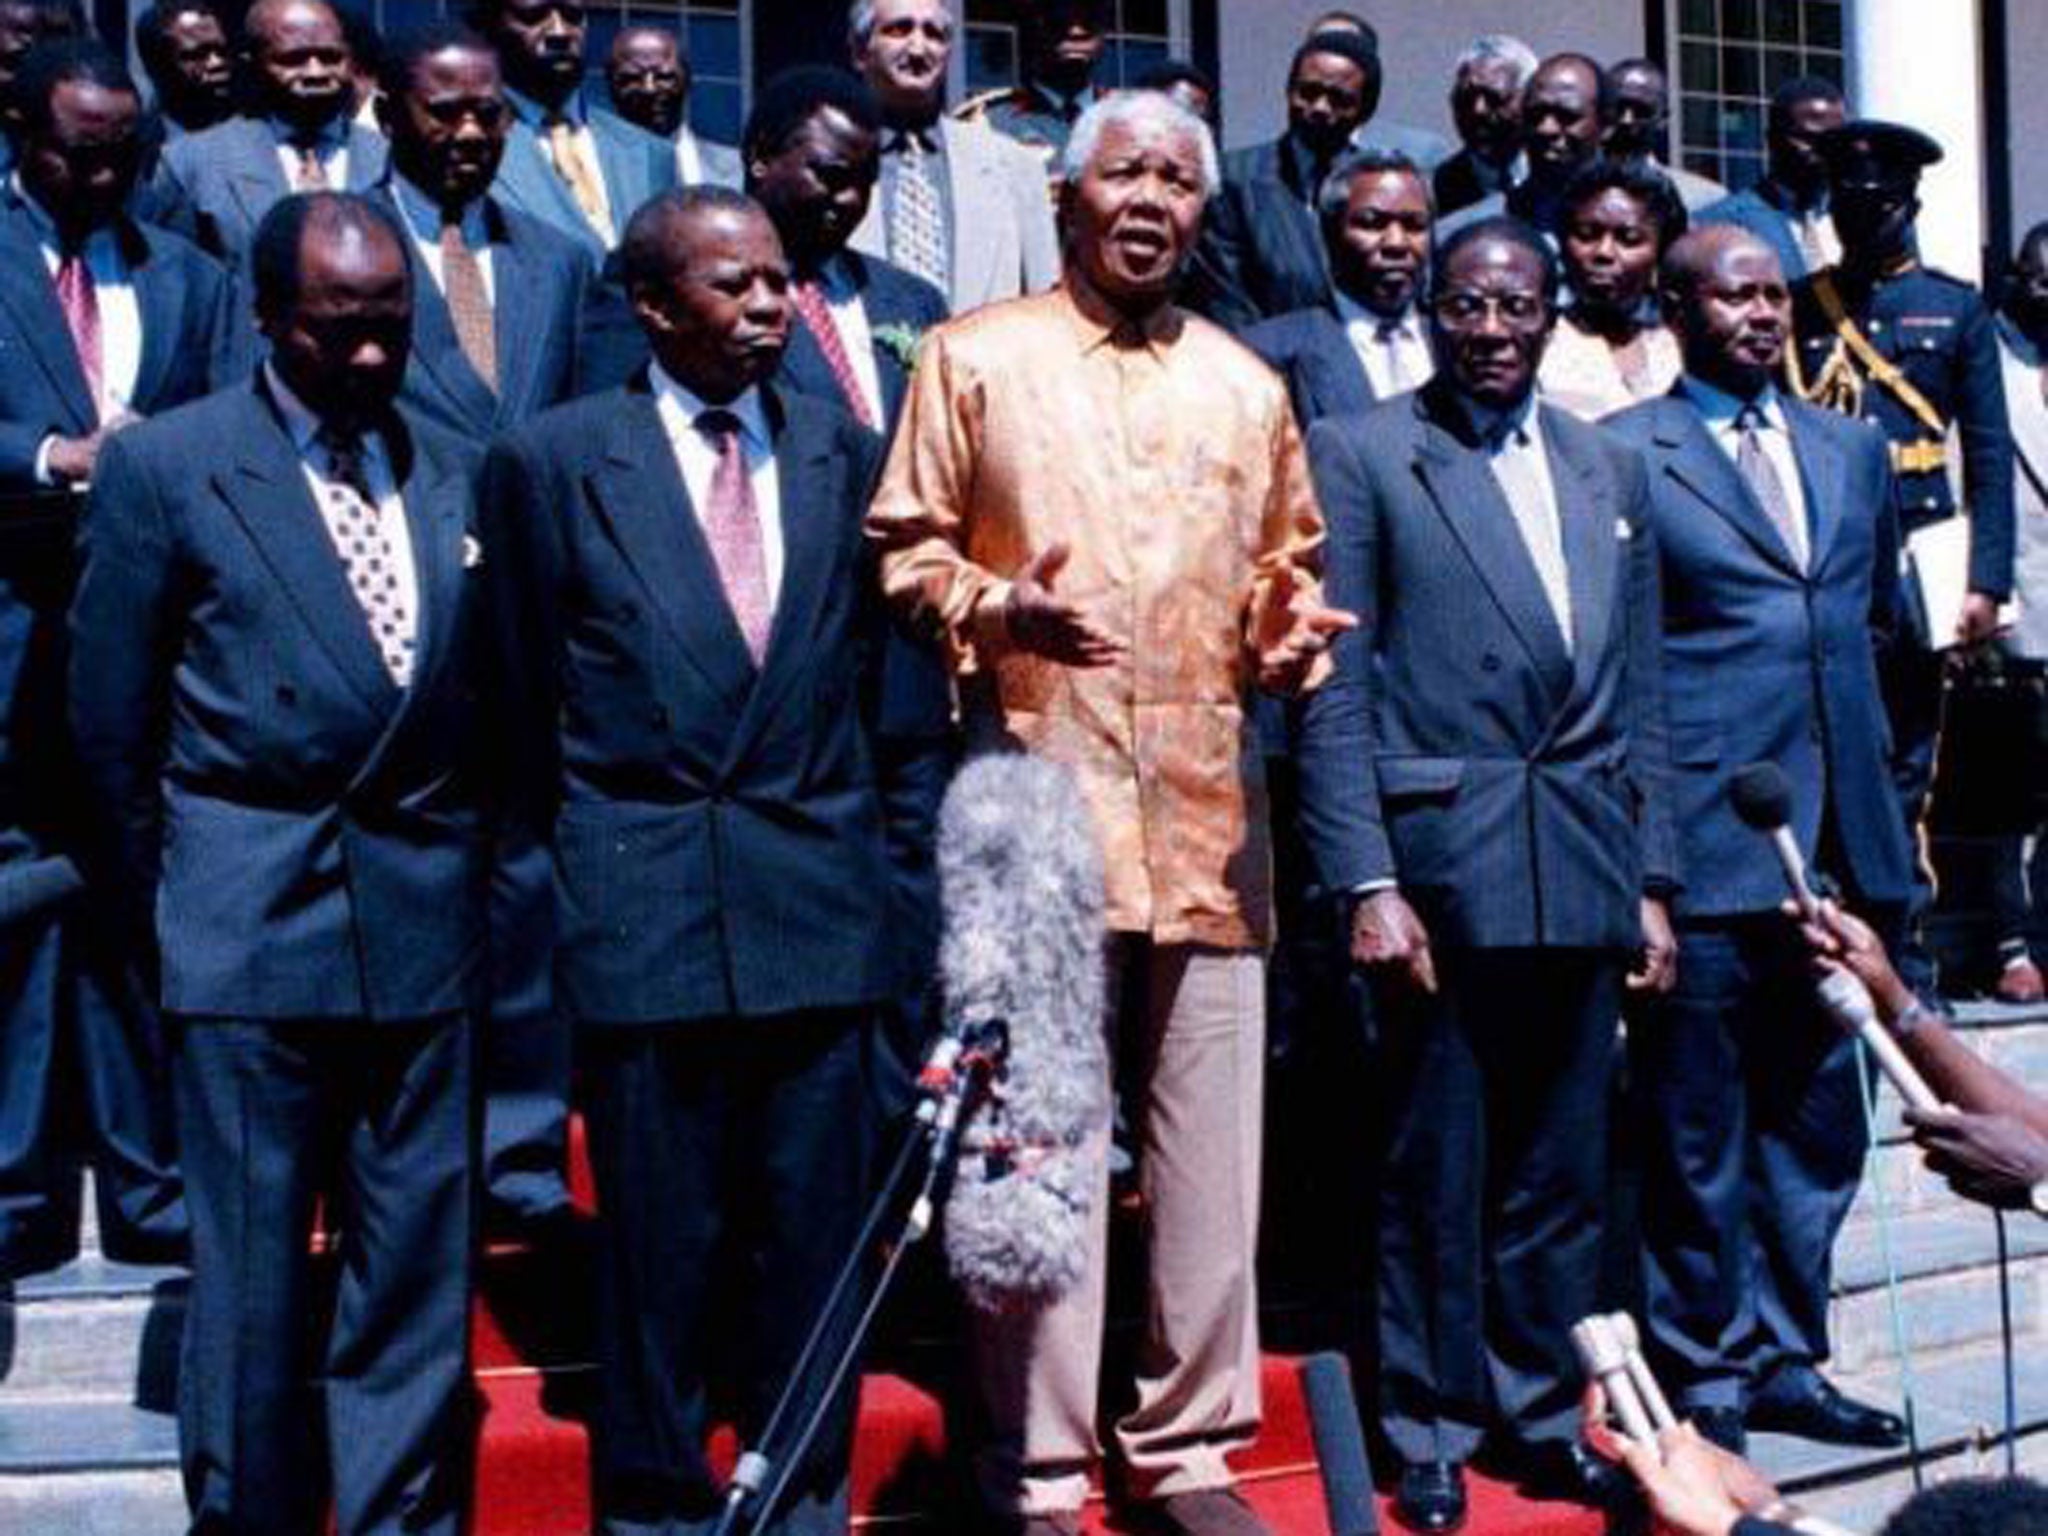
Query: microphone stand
column 935, row 1130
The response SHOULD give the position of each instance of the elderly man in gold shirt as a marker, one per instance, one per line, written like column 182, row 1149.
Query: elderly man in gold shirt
column 1102, row 506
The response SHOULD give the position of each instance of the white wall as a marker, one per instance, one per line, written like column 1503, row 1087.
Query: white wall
column 1419, row 39
column 2026, row 60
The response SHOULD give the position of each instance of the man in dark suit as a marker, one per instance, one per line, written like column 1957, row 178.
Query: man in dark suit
column 1776, row 526
column 1261, row 252
column 23, row 24
column 298, row 138
column 499, row 301
column 687, row 627
column 811, row 152
column 1370, row 343
column 273, row 697
column 648, row 75
column 1789, row 207
column 568, row 163
column 1486, row 104
column 183, row 46
column 1561, row 128
column 106, row 321
column 1485, row 774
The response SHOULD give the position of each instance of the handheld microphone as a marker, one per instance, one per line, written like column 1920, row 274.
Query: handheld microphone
column 1021, row 887
column 1763, row 799
column 1603, row 1358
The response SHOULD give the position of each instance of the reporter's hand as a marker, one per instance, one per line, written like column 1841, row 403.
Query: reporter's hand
column 1385, row 932
column 1840, row 940
column 1046, row 624
column 1994, row 1160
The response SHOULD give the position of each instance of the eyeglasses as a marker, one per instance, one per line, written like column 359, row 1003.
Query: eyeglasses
column 1463, row 308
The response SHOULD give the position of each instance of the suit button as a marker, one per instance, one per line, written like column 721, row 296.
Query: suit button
column 287, row 695
column 1490, row 662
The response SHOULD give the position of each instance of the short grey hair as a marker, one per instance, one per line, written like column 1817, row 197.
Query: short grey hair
column 1333, row 197
column 860, row 21
column 1494, row 48
column 1154, row 107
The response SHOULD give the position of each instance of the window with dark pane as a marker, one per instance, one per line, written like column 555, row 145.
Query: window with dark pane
column 1727, row 57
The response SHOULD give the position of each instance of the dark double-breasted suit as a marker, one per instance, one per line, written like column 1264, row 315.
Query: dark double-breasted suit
column 1261, row 251
column 303, row 846
column 1753, row 1136
column 541, row 284
column 722, row 869
column 1514, row 790
column 216, row 185
column 92, row 1087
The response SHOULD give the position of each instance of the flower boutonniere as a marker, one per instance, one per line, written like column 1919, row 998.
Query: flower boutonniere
column 901, row 342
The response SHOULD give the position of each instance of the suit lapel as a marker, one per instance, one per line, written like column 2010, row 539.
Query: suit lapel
column 1470, row 501
column 515, row 280
column 1591, row 528
column 256, row 178
column 29, row 293
column 265, row 488
column 160, row 302
column 1820, row 480
column 975, row 198
column 1346, row 387
column 1697, row 463
column 880, row 314
column 809, row 541
column 641, row 497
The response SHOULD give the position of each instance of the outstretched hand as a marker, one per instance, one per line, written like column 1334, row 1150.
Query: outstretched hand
column 1292, row 632
column 1047, row 624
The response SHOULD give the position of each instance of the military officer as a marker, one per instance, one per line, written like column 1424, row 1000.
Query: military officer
column 1913, row 351
column 1062, row 43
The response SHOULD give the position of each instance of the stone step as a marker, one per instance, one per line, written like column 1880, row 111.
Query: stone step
column 2014, row 1039
column 89, row 1469
column 1936, row 1240
column 1960, row 1418
column 1940, row 1312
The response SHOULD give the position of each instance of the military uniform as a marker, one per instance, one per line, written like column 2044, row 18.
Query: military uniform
column 1914, row 352
column 1038, row 118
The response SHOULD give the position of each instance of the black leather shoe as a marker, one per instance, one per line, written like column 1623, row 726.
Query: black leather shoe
column 1431, row 1496
column 1723, row 1426
column 1570, row 1469
column 1803, row 1402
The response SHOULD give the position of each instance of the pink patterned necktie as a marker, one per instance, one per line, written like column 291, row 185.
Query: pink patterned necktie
column 809, row 297
column 734, row 529
column 79, row 298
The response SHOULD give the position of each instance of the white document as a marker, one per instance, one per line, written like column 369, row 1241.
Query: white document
column 1938, row 564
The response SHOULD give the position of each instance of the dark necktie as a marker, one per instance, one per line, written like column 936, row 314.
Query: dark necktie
column 808, row 295
column 733, row 527
column 1756, row 468
column 469, row 302
column 367, row 558
column 312, row 172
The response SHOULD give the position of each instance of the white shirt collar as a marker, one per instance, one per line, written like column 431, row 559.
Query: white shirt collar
column 753, row 416
column 1406, row 325
column 1721, row 408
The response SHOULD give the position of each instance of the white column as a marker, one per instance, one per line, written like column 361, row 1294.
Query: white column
column 1916, row 62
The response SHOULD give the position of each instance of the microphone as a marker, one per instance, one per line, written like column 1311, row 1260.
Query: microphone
column 1340, row 1445
column 1603, row 1358
column 1020, row 880
column 1763, row 799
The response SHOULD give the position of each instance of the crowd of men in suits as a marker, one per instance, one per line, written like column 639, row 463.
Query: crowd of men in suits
column 496, row 585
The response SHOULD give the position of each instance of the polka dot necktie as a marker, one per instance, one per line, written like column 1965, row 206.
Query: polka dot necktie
column 367, row 558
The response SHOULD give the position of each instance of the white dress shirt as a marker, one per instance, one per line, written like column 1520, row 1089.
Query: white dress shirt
column 851, row 318
column 1718, row 410
column 120, row 317
column 1520, row 462
column 423, row 219
column 329, row 493
column 698, row 461
column 1385, row 347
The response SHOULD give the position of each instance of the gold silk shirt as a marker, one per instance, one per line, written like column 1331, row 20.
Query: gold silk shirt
column 1167, row 460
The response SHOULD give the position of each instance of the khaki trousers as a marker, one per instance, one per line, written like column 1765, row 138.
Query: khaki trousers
column 1191, row 1022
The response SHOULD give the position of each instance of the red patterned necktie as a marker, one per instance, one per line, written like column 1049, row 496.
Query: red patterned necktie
column 734, row 529
column 79, row 298
column 809, row 298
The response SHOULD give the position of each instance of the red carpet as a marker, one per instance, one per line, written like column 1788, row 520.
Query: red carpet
column 532, row 1348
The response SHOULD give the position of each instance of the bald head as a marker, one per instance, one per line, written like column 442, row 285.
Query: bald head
column 298, row 61
column 1725, row 295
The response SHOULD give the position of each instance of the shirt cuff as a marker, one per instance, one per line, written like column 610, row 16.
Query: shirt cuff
column 43, row 474
column 1366, row 888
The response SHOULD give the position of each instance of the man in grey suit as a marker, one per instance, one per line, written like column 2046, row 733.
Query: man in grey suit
column 217, row 184
column 567, row 163
column 1485, row 775
column 648, row 75
column 957, row 204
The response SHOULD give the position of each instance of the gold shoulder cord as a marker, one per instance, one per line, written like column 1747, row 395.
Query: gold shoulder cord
column 1838, row 386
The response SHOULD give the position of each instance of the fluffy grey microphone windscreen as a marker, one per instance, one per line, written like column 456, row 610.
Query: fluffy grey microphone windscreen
column 1021, row 879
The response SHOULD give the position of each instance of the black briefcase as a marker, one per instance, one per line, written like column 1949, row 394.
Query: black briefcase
column 1991, row 772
